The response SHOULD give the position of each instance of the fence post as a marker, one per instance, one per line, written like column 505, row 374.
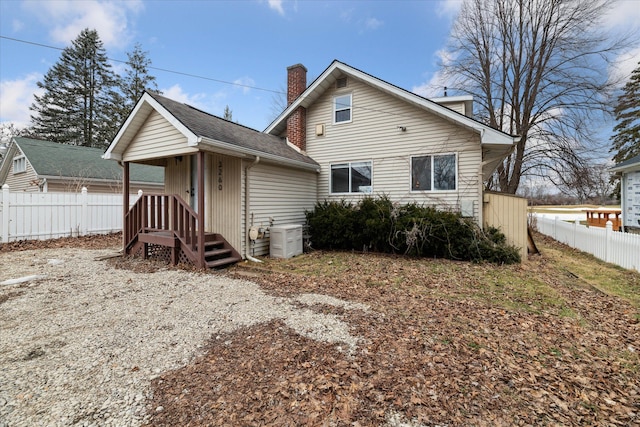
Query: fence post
column 5, row 213
column 84, row 220
column 555, row 227
column 576, row 223
column 607, row 241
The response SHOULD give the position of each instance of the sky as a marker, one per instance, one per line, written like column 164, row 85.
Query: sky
column 213, row 54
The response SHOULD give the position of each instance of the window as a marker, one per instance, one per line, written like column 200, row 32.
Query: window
column 19, row 164
column 354, row 177
column 342, row 109
column 433, row 173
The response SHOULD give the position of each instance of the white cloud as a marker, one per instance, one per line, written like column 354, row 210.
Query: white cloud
column 434, row 87
column 623, row 17
column 244, row 83
column 176, row 93
column 66, row 19
column 372, row 23
column 276, row 5
column 212, row 103
column 448, row 8
column 624, row 65
column 624, row 13
column 17, row 25
column 16, row 96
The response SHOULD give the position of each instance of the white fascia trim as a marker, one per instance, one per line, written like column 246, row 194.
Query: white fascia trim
column 192, row 139
column 625, row 169
column 241, row 150
column 446, row 99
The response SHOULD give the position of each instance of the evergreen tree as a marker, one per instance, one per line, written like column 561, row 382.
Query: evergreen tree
column 626, row 141
column 137, row 78
column 228, row 114
column 132, row 85
column 77, row 106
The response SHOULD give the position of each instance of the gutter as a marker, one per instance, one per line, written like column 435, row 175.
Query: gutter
column 231, row 148
column 247, row 210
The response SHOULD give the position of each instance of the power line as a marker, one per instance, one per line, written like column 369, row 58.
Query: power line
column 165, row 70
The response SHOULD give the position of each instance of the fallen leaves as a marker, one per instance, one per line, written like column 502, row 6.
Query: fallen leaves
column 443, row 343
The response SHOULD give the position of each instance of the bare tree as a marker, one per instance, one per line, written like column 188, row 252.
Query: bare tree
column 537, row 69
column 591, row 183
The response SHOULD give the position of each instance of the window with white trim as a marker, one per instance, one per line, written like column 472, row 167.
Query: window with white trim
column 351, row 177
column 19, row 164
column 342, row 108
column 436, row 172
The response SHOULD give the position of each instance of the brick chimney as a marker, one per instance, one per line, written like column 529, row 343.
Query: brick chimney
column 297, row 121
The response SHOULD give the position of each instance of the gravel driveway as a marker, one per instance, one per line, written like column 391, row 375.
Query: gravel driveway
column 81, row 340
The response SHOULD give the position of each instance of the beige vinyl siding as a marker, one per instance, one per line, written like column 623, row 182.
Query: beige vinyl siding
column 22, row 181
column 508, row 213
column 280, row 193
column 455, row 106
column 177, row 177
column 157, row 138
column 374, row 135
column 223, row 197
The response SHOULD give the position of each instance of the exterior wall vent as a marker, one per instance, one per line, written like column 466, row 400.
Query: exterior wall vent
column 341, row 82
column 320, row 130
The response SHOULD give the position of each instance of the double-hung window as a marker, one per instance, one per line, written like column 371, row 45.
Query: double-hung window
column 19, row 164
column 434, row 173
column 352, row 177
column 342, row 108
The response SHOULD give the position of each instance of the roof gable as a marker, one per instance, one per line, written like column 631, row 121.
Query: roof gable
column 495, row 144
column 205, row 130
column 338, row 69
column 51, row 159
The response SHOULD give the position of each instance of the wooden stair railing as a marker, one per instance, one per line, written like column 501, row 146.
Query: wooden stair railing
column 168, row 220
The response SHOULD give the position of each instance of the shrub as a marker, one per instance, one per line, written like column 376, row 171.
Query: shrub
column 383, row 226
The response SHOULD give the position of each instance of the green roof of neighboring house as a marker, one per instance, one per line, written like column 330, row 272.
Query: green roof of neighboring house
column 72, row 161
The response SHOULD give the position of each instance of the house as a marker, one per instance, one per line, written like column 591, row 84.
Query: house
column 36, row 165
column 629, row 172
column 345, row 136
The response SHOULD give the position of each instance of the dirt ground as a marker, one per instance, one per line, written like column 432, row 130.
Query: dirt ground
column 445, row 343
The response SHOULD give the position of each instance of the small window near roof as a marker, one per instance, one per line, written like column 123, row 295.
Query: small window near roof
column 342, row 109
column 19, row 164
column 341, row 82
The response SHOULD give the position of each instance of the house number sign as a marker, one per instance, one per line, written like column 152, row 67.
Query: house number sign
column 220, row 175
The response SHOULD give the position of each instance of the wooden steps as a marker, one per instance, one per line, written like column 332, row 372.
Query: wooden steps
column 218, row 253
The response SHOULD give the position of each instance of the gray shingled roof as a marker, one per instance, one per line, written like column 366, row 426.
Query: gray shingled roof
column 212, row 127
column 628, row 162
column 70, row 161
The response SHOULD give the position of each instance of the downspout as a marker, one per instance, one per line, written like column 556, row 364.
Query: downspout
column 247, row 210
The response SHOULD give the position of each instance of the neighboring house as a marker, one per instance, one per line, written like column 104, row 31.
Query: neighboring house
column 629, row 172
column 43, row 166
column 346, row 136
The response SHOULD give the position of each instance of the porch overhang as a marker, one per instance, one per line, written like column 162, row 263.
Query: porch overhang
column 208, row 144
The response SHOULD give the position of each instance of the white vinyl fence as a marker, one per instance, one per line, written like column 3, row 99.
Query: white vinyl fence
column 42, row 216
column 611, row 246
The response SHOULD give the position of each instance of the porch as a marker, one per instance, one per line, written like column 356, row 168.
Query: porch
column 176, row 230
column 165, row 227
